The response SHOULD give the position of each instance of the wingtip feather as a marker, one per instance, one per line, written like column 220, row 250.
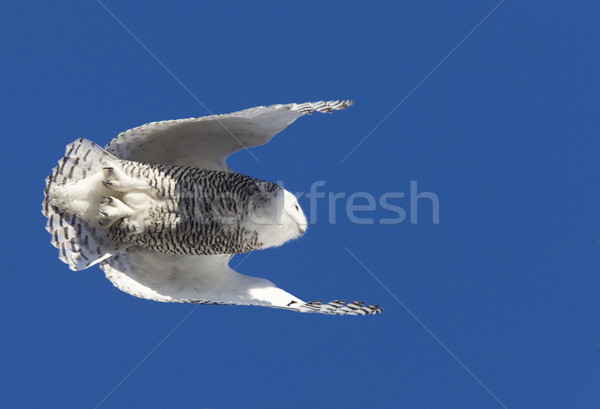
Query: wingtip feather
column 325, row 107
column 340, row 307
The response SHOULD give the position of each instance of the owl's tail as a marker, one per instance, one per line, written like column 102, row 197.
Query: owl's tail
column 75, row 194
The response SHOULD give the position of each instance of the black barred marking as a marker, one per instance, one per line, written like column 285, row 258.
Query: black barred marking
column 68, row 218
column 86, row 155
column 63, row 163
column 339, row 307
column 198, row 211
column 332, row 308
column 77, row 146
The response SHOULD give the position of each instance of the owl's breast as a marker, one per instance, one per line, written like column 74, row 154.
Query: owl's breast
column 198, row 211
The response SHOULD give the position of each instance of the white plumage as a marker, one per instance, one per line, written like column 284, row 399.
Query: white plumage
column 162, row 213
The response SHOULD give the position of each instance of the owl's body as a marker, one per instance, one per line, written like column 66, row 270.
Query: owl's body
column 170, row 209
column 164, row 216
column 194, row 211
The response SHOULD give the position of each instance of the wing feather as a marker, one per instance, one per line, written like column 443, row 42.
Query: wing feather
column 206, row 142
column 207, row 280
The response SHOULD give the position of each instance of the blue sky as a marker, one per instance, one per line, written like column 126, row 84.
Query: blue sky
column 500, row 297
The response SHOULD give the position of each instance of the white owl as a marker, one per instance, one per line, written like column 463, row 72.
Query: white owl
column 163, row 214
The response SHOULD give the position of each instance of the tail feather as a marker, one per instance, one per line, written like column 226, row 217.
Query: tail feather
column 73, row 195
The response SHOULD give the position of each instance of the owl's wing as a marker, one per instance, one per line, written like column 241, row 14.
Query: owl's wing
column 206, row 142
column 207, row 280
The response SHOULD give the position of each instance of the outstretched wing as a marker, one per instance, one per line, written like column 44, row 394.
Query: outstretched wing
column 206, row 142
column 207, row 280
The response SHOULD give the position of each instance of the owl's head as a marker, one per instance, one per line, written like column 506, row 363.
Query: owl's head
column 276, row 217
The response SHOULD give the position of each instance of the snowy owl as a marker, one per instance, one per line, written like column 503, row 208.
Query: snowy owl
column 162, row 214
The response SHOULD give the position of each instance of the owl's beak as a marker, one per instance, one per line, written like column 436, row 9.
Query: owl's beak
column 301, row 230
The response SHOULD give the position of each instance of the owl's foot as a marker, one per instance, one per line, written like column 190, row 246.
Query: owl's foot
column 110, row 210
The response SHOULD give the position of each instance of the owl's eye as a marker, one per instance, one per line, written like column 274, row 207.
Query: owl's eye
column 297, row 207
